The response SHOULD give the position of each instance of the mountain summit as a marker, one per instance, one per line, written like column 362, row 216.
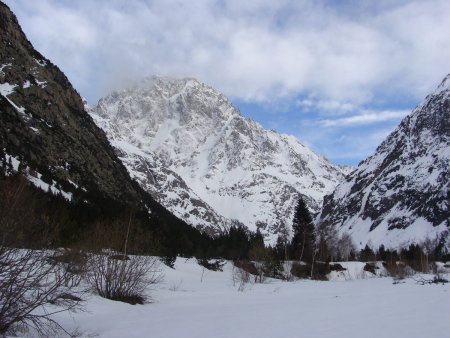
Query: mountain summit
column 187, row 145
column 401, row 193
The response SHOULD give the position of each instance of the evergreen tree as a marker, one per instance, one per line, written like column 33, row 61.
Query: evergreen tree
column 258, row 251
column 304, row 237
column 281, row 248
column 367, row 254
column 238, row 243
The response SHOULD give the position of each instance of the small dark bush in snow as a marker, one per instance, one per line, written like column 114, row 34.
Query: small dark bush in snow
column 122, row 279
column 212, row 264
column 169, row 260
column 370, row 267
column 300, row 270
column 336, row 267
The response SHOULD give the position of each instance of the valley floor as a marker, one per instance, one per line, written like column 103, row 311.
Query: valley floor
column 194, row 302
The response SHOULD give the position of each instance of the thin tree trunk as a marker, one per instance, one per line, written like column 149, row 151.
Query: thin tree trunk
column 128, row 233
column 312, row 265
column 303, row 246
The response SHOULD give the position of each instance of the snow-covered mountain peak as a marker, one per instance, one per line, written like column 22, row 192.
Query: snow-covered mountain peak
column 444, row 85
column 184, row 140
column 401, row 193
column 157, row 107
column 137, row 101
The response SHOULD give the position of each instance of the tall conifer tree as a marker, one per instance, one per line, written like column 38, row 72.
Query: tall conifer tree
column 304, row 236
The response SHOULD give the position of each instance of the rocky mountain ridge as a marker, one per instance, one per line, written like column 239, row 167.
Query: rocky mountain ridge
column 187, row 145
column 401, row 193
column 43, row 122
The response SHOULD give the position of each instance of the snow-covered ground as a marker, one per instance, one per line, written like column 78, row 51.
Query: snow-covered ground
column 194, row 302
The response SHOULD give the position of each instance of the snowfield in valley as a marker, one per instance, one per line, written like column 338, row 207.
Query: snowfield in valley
column 195, row 302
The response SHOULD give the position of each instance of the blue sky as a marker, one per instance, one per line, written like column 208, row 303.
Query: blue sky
column 339, row 75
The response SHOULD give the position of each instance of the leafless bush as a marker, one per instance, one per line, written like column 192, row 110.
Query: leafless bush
column 345, row 246
column 440, row 273
column 110, row 271
column 30, row 288
column 122, row 279
column 73, row 265
column 437, row 279
column 241, row 278
column 398, row 270
column 330, row 245
column 256, row 270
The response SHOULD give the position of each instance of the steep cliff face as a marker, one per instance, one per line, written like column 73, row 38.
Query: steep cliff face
column 195, row 153
column 43, row 123
column 46, row 134
column 401, row 193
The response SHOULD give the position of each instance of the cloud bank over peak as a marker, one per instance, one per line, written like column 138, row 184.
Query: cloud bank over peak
column 332, row 64
column 253, row 50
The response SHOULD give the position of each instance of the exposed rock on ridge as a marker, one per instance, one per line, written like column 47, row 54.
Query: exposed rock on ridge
column 187, row 145
column 401, row 193
column 43, row 123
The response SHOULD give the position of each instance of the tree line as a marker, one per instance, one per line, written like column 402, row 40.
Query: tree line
column 114, row 253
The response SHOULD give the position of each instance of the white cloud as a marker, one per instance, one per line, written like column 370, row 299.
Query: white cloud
column 365, row 118
column 324, row 58
column 325, row 106
column 253, row 50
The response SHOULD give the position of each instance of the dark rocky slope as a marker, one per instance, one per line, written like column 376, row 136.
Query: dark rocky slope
column 44, row 127
column 401, row 193
column 44, row 123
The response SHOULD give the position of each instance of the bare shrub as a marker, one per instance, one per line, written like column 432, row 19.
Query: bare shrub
column 241, row 278
column 287, row 270
column 345, row 247
column 122, row 279
column 111, row 272
column 440, row 273
column 398, row 270
column 330, row 246
column 30, row 287
column 437, row 279
column 254, row 269
column 73, row 264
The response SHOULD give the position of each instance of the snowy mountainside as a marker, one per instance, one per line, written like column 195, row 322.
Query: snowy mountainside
column 186, row 144
column 43, row 125
column 50, row 140
column 401, row 193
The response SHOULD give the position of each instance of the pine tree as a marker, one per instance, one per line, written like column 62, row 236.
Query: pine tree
column 304, row 237
column 258, row 251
